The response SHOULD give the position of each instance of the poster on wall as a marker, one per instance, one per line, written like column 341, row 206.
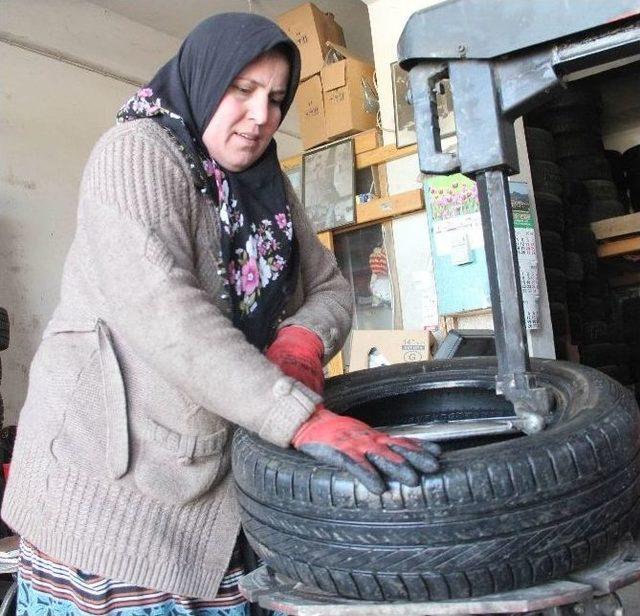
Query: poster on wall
column 457, row 244
column 328, row 181
column 457, row 241
column 455, row 212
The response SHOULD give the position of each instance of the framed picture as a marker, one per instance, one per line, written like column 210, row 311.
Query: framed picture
column 402, row 110
column 366, row 258
column 295, row 177
column 329, row 186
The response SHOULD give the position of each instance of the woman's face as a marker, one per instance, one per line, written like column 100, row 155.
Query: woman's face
column 249, row 113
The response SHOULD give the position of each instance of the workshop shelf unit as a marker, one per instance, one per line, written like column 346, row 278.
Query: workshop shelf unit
column 369, row 153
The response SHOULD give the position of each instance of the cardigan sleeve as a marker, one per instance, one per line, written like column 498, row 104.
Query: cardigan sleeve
column 135, row 213
column 327, row 307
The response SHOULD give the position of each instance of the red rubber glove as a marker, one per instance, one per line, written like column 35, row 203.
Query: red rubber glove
column 298, row 352
column 366, row 453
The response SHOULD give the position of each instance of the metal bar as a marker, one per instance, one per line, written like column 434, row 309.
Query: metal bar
column 504, row 280
column 603, row 47
column 464, row 428
column 275, row 592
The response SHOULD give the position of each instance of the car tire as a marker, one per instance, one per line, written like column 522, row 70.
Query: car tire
column 501, row 514
column 4, row 330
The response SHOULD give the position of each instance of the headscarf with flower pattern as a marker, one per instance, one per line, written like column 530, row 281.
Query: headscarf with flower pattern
column 259, row 251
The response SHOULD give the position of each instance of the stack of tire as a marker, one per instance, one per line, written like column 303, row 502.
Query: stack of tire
column 7, row 434
column 547, row 185
column 579, row 295
column 574, row 120
column 4, row 345
column 629, row 311
column 631, row 166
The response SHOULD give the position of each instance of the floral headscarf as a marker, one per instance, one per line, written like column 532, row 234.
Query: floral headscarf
column 259, row 251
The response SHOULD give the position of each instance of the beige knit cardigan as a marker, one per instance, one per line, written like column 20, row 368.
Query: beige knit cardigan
column 121, row 464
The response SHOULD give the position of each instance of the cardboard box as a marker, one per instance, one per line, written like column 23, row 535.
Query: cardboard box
column 350, row 102
column 310, row 29
column 337, row 102
column 310, row 106
column 376, row 347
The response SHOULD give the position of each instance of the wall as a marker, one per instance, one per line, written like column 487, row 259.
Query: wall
column 387, row 18
column 51, row 113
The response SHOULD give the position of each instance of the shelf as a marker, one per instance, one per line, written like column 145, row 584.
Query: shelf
column 619, row 236
column 389, row 206
column 362, row 142
column 368, row 152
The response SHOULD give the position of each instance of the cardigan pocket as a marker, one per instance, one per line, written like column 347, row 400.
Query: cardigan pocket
column 177, row 468
column 94, row 429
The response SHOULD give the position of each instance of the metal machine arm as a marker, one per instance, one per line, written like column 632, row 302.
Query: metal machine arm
column 497, row 73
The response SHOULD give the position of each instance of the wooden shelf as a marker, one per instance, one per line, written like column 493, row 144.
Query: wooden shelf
column 616, row 227
column 389, row 206
column 368, row 152
column 362, row 142
column 619, row 236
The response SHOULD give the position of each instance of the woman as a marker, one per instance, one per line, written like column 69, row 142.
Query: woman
column 190, row 253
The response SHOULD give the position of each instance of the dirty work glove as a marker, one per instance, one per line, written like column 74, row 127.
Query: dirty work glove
column 366, row 453
column 298, row 352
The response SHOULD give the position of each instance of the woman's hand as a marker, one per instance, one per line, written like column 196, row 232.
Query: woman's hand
column 369, row 455
column 298, row 352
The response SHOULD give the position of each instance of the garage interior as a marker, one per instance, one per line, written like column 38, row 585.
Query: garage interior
column 421, row 288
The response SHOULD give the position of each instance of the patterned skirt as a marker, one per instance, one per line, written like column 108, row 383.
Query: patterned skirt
column 47, row 587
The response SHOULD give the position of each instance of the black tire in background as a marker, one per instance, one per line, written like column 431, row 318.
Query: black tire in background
column 540, row 144
column 575, row 296
column 601, row 210
column 577, row 144
column 594, row 332
column 580, row 239
column 501, row 514
column 573, row 269
column 550, row 212
column 575, row 327
column 601, row 190
column 559, row 318
column 594, row 309
column 570, row 119
column 552, row 250
column 589, row 264
column 631, row 159
column 556, row 285
column 4, row 330
column 546, row 177
column 590, row 167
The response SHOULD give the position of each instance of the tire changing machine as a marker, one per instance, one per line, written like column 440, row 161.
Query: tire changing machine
column 502, row 59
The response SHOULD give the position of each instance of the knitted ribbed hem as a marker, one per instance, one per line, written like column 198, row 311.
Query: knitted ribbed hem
column 23, row 501
column 108, row 530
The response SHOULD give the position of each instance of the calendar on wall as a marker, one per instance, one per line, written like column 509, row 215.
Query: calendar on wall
column 526, row 250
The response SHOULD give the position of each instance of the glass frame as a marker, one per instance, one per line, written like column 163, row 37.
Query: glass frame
column 405, row 125
column 328, row 185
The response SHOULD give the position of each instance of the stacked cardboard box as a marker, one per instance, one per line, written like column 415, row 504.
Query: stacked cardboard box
column 334, row 97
